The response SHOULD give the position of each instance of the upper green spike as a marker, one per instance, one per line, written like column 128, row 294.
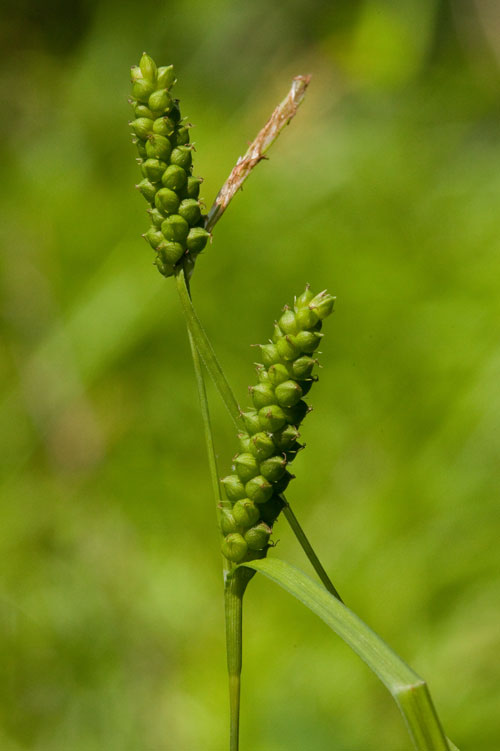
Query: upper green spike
column 162, row 140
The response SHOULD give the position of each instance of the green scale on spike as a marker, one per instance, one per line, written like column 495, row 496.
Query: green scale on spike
column 177, row 233
column 270, row 440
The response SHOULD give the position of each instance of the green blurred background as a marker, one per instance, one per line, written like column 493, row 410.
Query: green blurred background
column 385, row 190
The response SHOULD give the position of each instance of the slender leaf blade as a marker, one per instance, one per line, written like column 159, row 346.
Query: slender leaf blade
column 407, row 688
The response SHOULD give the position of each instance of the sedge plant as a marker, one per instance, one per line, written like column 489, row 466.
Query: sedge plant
column 249, row 499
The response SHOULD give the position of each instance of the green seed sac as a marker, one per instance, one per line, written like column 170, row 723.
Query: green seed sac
column 271, row 437
column 234, row 547
column 174, row 178
column 175, row 228
column 162, row 140
column 167, row 200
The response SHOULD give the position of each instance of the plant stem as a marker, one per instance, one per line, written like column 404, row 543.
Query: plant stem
column 308, row 549
column 233, row 601
column 209, row 442
column 235, row 584
column 233, row 596
column 205, row 413
column 206, row 350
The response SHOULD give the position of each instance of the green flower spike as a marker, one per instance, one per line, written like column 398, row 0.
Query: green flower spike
column 271, row 438
column 162, row 141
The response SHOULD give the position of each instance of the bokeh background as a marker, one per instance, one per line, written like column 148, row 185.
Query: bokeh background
column 385, row 189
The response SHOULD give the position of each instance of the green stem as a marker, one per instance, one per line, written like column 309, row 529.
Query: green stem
column 207, row 425
column 209, row 441
column 308, row 549
column 205, row 413
column 235, row 584
column 206, row 350
column 233, row 602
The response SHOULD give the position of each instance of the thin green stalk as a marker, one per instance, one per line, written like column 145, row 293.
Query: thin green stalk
column 209, row 441
column 206, row 350
column 308, row 549
column 233, row 588
column 205, row 413
column 233, row 598
column 233, row 604
column 235, row 585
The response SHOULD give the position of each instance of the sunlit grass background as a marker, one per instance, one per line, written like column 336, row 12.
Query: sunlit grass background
column 385, row 190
